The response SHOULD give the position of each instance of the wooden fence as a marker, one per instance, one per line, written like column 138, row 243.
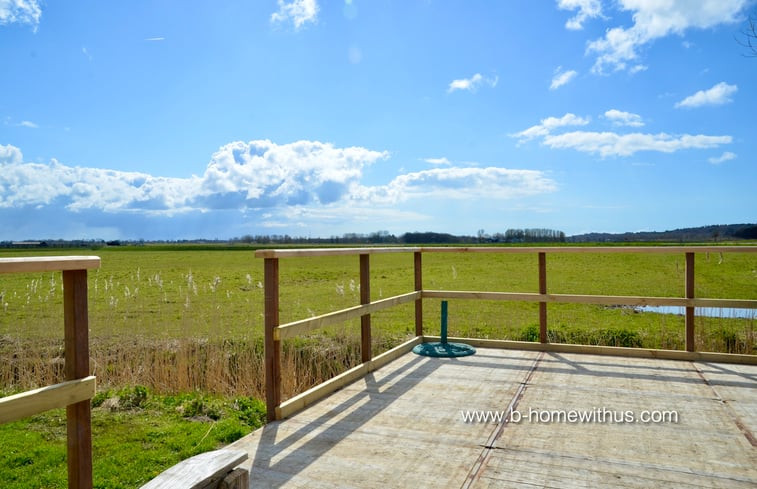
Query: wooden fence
column 75, row 393
column 275, row 332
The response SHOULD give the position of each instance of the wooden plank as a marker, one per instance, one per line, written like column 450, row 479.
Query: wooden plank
column 690, row 340
column 290, row 330
column 288, row 253
column 619, row 351
column 591, row 299
column 589, row 249
column 543, row 291
column 198, row 472
column 48, row 264
column 78, row 416
column 45, row 398
column 365, row 298
column 283, row 253
column 314, row 394
column 271, row 343
column 418, row 276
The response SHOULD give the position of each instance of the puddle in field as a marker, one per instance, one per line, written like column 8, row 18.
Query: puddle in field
column 715, row 312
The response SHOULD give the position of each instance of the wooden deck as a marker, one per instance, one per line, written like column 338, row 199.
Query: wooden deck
column 401, row 426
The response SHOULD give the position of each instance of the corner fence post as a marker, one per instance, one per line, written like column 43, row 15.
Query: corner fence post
column 543, row 290
column 418, row 266
column 272, row 345
column 78, row 415
column 365, row 298
column 690, row 340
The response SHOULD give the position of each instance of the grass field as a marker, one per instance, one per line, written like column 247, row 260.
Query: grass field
column 180, row 321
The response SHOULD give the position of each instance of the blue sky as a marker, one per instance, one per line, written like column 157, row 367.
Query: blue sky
column 176, row 120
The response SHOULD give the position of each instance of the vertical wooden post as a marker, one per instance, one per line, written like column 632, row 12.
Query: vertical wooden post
column 78, row 416
column 543, row 290
column 365, row 298
column 272, row 345
column 690, row 340
column 418, row 266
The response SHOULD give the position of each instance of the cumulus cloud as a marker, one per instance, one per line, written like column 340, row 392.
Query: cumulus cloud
column 546, row 125
column 561, row 78
column 257, row 176
column 620, row 118
column 587, row 9
column 299, row 12
column 614, row 144
column 717, row 95
column 20, row 11
column 10, row 154
column 471, row 84
column 726, row 156
column 653, row 19
column 240, row 175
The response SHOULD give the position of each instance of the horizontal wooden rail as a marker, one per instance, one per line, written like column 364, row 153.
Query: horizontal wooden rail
column 48, row 264
column 45, row 398
column 309, row 252
column 289, row 253
column 589, row 249
column 615, row 351
column 620, row 300
column 290, row 330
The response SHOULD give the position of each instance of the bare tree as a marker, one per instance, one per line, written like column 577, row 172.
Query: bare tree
column 749, row 36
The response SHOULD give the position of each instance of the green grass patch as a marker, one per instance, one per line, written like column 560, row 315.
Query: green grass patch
column 135, row 434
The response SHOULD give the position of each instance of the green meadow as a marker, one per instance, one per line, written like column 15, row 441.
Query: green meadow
column 155, row 313
column 182, row 329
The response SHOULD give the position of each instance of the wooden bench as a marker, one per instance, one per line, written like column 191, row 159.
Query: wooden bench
column 209, row 470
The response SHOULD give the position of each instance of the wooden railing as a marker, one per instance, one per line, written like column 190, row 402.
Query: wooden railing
column 275, row 332
column 75, row 393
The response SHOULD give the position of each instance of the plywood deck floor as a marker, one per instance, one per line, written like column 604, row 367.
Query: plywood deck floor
column 402, row 427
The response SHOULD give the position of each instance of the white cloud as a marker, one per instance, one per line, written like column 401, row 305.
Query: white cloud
column 155, row 39
column 257, row 174
column 274, row 182
column 460, row 183
column 620, row 118
column 726, row 156
column 10, row 154
column 717, row 95
column 438, row 161
column 614, row 144
column 654, row 19
column 299, row 12
column 548, row 124
column 587, row 9
column 20, row 11
column 471, row 84
column 561, row 78
column 28, row 124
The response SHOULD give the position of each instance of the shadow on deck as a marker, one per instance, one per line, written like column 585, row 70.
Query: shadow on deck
column 402, row 426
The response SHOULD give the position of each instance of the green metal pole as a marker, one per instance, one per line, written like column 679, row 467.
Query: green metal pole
column 444, row 322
